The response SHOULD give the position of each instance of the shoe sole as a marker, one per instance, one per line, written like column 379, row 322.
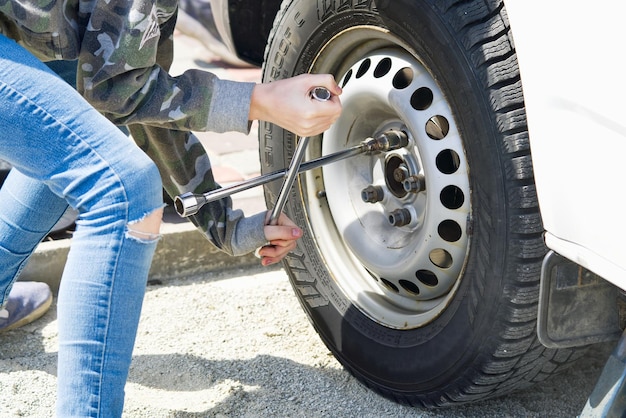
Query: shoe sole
column 34, row 315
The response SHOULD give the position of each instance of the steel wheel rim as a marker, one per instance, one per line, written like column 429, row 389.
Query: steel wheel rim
column 400, row 276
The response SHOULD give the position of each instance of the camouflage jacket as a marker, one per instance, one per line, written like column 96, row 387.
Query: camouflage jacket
column 124, row 50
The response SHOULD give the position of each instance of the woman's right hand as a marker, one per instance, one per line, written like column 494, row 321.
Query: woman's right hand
column 288, row 104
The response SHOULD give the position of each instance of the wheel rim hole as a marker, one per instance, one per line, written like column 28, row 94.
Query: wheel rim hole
column 383, row 68
column 441, row 258
column 437, row 127
column 449, row 230
column 410, row 287
column 452, row 197
column 427, row 277
column 365, row 65
column 448, row 161
column 422, row 98
column 389, row 285
column 346, row 78
column 403, row 78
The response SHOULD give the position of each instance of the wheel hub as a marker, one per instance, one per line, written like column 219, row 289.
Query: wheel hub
column 393, row 226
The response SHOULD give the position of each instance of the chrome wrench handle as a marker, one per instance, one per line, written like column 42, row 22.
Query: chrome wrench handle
column 188, row 204
column 318, row 93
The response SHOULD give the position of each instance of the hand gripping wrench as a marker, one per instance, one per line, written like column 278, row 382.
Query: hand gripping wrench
column 318, row 93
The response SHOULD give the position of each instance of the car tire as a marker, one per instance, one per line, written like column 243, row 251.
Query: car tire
column 439, row 307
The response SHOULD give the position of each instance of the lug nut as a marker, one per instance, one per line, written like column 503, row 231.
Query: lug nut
column 400, row 217
column 372, row 194
column 401, row 173
column 387, row 141
column 414, row 184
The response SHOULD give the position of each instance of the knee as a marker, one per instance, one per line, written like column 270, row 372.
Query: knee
column 148, row 227
column 150, row 178
column 144, row 191
column 145, row 202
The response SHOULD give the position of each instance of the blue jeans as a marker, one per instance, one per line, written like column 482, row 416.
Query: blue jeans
column 64, row 152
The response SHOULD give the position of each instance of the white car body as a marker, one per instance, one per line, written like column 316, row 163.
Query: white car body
column 573, row 82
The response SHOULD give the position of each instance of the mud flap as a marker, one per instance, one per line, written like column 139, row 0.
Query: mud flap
column 576, row 306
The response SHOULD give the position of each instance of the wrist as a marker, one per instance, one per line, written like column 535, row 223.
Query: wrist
column 258, row 101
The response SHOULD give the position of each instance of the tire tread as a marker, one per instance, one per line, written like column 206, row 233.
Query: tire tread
column 519, row 360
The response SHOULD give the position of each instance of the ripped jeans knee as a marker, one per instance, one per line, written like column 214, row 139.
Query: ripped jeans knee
column 143, row 191
column 146, row 228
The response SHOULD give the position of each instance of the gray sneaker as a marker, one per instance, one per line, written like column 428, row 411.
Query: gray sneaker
column 27, row 301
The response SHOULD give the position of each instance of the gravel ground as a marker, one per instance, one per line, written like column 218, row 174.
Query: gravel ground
column 239, row 345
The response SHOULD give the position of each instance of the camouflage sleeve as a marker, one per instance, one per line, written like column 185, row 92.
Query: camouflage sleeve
column 185, row 166
column 120, row 72
column 125, row 76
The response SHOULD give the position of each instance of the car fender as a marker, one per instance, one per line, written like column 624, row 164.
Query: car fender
column 572, row 82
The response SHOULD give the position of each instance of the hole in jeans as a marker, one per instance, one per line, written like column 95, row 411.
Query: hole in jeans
column 142, row 228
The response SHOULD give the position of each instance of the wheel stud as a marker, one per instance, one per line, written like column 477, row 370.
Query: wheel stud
column 400, row 217
column 414, row 184
column 372, row 194
column 400, row 173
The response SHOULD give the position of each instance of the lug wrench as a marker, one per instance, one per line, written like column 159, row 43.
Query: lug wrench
column 189, row 203
column 318, row 93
